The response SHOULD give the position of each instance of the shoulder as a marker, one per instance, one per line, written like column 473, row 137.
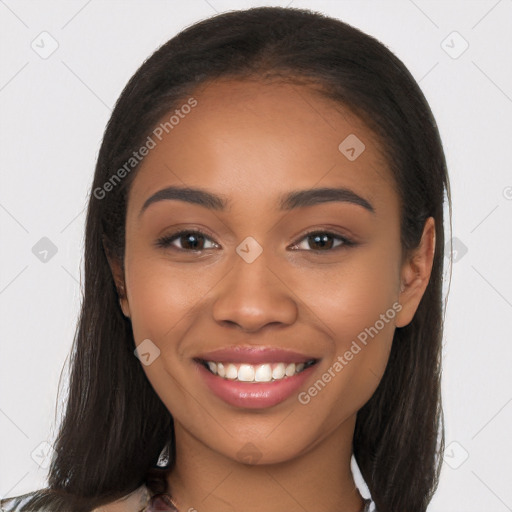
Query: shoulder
column 136, row 501
column 36, row 500
column 40, row 501
column 13, row 504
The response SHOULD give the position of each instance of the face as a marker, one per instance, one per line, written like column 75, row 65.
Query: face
column 271, row 262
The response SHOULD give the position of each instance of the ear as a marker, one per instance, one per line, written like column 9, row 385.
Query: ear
column 415, row 274
column 118, row 275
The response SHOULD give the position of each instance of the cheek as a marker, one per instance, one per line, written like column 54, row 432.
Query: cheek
column 350, row 298
column 164, row 302
column 161, row 296
column 357, row 306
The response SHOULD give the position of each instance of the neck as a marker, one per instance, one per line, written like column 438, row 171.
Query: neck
column 319, row 478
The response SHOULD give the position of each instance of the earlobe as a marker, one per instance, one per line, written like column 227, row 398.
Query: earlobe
column 123, row 304
column 119, row 281
column 415, row 274
column 123, row 300
column 121, row 290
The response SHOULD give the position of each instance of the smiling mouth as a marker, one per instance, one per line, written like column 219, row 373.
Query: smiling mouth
column 264, row 372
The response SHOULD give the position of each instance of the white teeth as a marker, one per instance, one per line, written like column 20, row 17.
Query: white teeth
column 279, row 371
column 263, row 373
column 231, row 372
column 221, row 372
column 246, row 373
column 255, row 373
column 290, row 370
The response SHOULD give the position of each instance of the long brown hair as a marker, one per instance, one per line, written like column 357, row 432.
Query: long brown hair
column 115, row 426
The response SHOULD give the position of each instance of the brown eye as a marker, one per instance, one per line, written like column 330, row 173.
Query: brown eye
column 319, row 241
column 193, row 241
column 187, row 241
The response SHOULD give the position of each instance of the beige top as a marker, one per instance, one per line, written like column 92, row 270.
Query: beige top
column 134, row 502
column 137, row 502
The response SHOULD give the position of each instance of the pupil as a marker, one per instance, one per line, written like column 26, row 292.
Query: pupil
column 322, row 241
column 191, row 241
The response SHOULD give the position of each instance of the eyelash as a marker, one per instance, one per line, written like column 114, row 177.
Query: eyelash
column 165, row 242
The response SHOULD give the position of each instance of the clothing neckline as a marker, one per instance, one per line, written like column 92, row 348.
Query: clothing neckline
column 159, row 497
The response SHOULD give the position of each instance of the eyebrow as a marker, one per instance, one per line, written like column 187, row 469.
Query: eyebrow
column 302, row 198
column 290, row 201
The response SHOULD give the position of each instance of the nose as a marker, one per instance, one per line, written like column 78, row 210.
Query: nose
column 252, row 296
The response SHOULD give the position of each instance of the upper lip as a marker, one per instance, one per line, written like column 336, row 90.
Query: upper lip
column 254, row 355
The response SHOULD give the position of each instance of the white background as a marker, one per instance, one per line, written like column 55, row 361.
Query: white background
column 54, row 111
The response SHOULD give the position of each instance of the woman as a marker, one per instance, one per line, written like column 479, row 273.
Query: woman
column 263, row 281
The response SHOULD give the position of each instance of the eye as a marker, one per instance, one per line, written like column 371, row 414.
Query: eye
column 190, row 240
column 322, row 241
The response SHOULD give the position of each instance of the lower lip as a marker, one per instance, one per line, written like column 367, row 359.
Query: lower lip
column 254, row 395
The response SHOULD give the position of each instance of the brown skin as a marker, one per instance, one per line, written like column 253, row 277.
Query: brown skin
column 250, row 143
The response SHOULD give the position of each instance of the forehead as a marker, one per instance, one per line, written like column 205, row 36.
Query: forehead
column 251, row 141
